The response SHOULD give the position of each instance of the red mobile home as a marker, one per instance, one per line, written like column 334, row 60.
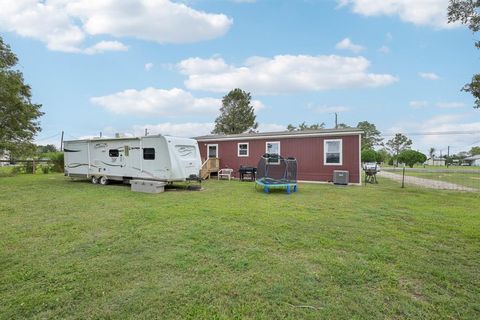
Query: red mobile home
column 318, row 152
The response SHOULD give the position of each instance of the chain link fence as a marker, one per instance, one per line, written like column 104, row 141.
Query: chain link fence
column 465, row 179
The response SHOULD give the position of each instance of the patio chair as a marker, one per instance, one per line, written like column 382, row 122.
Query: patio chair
column 225, row 173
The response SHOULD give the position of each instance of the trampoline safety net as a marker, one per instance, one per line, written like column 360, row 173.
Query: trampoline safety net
column 275, row 171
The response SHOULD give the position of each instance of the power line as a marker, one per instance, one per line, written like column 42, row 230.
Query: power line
column 434, row 133
column 43, row 139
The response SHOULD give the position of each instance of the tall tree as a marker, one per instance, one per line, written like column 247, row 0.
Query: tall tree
column 291, row 127
column 467, row 12
column 474, row 151
column 411, row 157
column 236, row 114
column 371, row 137
column 398, row 144
column 343, row 126
column 18, row 115
column 46, row 149
column 303, row 126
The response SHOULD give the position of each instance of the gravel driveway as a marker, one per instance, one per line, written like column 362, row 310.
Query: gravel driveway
column 427, row 183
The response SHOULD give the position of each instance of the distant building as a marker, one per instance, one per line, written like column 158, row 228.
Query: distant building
column 435, row 162
column 473, row 160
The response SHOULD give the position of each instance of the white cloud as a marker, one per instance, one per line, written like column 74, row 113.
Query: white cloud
column 193, row 129
column 152, row 101
column 342, row 3
column 429, row 75
column 103, row 46
column 189, row 129
column 441, row 105
column 347, row 44
column 419, row 12
column 204, row 66
column 148, row 66
column 271, row 127
column 449, row 105
column 384, row 49
column 64, row 25
column 282, row 74
column 161, row 102
column 41, row 21
column 443, row 131
column 418, row 104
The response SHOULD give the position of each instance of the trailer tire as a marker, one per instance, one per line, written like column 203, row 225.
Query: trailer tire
column 103, row 180
column 94, row 180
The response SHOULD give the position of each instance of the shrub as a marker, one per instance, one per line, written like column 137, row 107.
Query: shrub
column 57, row 159
column 16, row 170
column 45, row 168
column 28, row 167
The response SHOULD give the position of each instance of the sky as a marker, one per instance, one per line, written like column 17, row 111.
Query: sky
column 120, row 67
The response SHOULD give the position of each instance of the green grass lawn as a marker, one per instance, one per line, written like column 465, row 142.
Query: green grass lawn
column 471, row 180
column 82, row 251
column 421, row 166
column 5, row 171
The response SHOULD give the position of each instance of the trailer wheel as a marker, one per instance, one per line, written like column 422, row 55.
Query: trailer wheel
column 94, row 180
column 103, row 180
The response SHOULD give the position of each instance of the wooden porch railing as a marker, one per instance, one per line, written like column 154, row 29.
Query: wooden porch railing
column 209, row 166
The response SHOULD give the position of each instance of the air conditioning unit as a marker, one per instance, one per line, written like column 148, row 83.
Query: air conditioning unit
column 340, row 177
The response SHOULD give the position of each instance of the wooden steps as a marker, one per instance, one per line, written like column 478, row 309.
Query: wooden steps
column 209, row 166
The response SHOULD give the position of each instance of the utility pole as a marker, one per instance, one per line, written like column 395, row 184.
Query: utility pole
column 448, row 155
column 146, row 132
column 61, row 143
column 100, row 134
column 336, row 121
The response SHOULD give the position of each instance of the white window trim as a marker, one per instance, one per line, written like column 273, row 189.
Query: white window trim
column 279, row 152
column 325, row 152
column 238, row 149
column 208, row 150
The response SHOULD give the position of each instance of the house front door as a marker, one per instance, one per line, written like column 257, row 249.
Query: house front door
column 212, row 150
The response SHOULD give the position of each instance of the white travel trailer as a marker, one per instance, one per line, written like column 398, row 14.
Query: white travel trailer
column 156, row 157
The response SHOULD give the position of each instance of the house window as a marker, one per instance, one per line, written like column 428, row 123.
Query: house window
column 332, row 152
column 273, row 148
column 113, row 153
column 149, row 153
column 242, row 149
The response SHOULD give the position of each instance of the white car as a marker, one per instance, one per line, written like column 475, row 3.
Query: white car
column 371, row 166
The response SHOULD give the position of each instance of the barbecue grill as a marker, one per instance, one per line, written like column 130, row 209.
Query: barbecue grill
column 371, row 170
column 247, row 173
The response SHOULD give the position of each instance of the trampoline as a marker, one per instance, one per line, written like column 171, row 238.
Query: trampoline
column 275, row 172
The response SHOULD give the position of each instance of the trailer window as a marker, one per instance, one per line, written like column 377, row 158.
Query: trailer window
column 149, row 153
column 113, row 153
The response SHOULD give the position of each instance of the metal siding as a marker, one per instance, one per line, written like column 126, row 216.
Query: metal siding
column 308, row 151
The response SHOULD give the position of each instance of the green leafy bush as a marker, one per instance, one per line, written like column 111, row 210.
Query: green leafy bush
column 28, row 167
column 57, row 159
column 45, row 168
column 16, row 170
